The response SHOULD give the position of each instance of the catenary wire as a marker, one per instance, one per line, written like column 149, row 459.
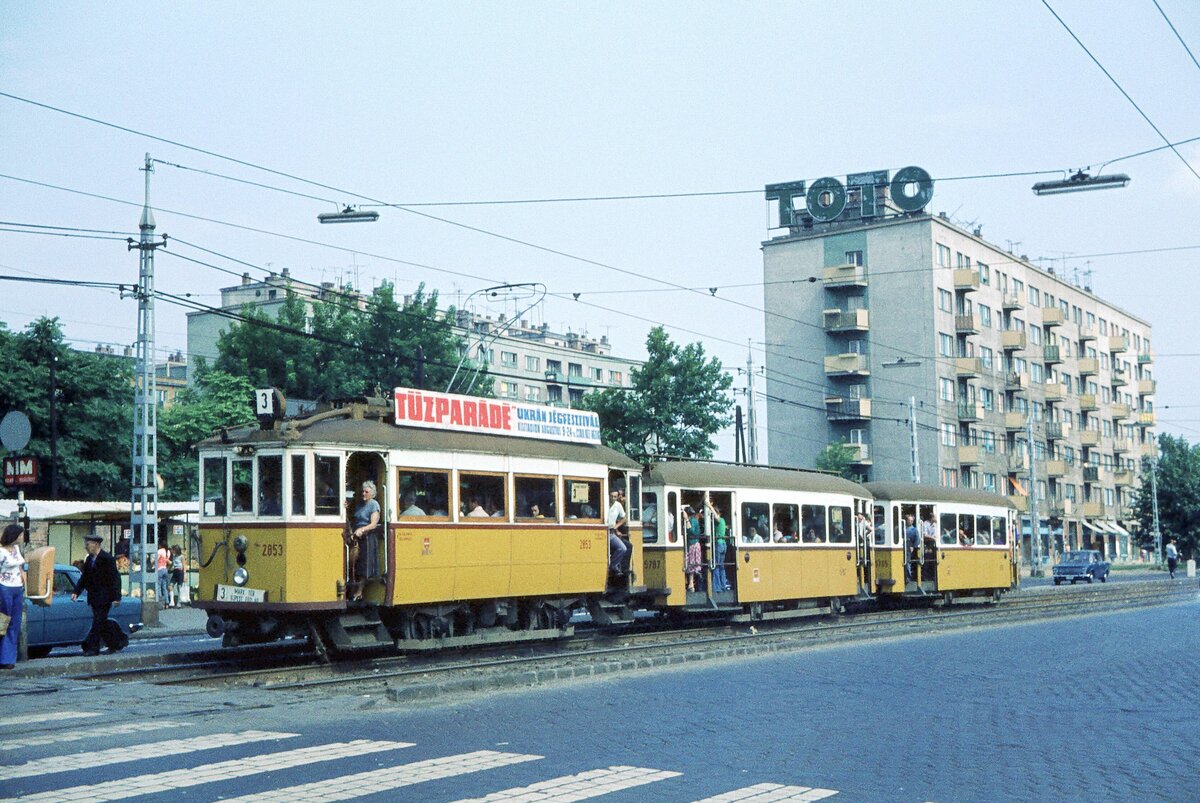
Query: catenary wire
column 1171, row 25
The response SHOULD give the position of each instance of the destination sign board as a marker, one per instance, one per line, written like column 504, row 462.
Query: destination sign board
column 456, row 413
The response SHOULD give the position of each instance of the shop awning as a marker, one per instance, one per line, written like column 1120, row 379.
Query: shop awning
column 1091, row 526
column 1109, row 527
column 1120, row 530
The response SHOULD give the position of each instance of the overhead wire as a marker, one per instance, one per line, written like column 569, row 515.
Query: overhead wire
column 1175, row 31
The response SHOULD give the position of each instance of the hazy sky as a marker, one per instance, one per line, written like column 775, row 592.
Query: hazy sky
column 459, row 102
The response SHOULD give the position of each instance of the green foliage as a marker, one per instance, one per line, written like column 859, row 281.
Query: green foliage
column 215, row 400
column 95, row 403
column 678, row 401
column 1178, row 495
column 327, row 348
column 837, row 458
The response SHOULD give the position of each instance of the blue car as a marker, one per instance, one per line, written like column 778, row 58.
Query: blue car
column 1083, row 564
column 65, row 623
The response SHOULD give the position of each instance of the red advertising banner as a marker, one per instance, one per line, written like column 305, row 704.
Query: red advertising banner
column 451, row 412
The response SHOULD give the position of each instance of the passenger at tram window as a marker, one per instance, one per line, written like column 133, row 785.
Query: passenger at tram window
column 983, row 531
column 865, row 528
column 242, row 497
column 813, row 518
column 949, row 527
column 966, row 530
column 409, row 504
column 928, row 531
column 535, row 512
column 475, row 508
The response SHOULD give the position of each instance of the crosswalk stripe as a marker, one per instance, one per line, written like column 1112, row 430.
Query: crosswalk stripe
column 384, row 780
column 770, row 793
column 117, row 755
column 53, row 716
column 75, row 736
column 581, row 786
column 165, row 782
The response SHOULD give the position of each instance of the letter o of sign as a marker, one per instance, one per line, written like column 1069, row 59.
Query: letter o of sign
column 826, row 199
column 899, row 188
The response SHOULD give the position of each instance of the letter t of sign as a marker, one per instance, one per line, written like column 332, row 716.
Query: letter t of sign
column 784, row 193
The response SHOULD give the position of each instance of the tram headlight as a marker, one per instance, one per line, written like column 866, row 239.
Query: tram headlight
column 240, row 576
column 241, row 543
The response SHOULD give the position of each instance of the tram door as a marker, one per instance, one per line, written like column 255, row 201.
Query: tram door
column 866, row 566
column 372, row 557
column 721, row 547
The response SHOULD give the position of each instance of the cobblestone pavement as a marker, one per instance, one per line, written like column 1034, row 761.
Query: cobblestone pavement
column 1103, row 707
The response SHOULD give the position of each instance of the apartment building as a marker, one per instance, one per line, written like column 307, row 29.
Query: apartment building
column 527, row 362
column 871, row 317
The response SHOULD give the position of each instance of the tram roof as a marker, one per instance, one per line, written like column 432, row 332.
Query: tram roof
column 373, row 432
column 687, row 474
column 913, row 492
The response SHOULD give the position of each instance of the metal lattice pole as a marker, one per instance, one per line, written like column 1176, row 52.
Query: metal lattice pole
column 1158, row 544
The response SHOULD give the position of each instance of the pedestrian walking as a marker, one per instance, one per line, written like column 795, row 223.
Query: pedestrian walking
column 162, row 573
column 103, row 587
column 1172, row 557
column 176, row 576
column 12, row 594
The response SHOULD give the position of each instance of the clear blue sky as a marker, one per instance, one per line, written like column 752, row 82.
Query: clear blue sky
column 461, row 102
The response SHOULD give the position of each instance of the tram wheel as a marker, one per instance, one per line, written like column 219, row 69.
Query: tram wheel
column 948, row 598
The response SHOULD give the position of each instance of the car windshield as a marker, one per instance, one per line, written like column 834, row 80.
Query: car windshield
column 1077, row 557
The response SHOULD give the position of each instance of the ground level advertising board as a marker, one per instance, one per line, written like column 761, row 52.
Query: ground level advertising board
column 455, row 413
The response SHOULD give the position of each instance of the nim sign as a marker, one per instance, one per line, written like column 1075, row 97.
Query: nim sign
column 20, row 471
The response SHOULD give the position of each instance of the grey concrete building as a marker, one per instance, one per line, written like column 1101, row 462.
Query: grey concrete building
column 526, row 362
column 868, row 317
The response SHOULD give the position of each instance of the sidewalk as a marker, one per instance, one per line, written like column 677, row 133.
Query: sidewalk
column 175, row 622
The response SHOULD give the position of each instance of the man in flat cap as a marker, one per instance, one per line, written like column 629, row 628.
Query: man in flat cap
column 103, row 586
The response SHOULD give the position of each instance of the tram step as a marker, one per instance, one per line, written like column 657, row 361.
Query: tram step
column 357, row 631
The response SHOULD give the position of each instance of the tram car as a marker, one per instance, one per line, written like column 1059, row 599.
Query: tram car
column 490, row 523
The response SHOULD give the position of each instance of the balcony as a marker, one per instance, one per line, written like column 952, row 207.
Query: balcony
column 839, row 409
column 1087, row 403
column 966, row 324
column 1015, row 421
column 1057, row 430
column 1051, row 355
column 1125, row 478
column 1056, row 468
column 1092, row 510
column 556, row 378
column 849, row 364
column 1117, row 344
column 970, row 455
column 1119, row 378
column 1146, row 387
column 1089, row 438
column 1055, row 393
column 861, row 453
column 1059, row 508
column 1012, row 341
column 966, row 280
column 969, row 412
column 1121, row 445
column 1145, row 358
column 1149, row 450
column 845, row 276
column 854, row 320
column 1012, row 301
column 1089, row 366
column 968, row 367
column 1086, row 333
column 1146, row 418
column 1021, row 503
column 1119, row 410
column 1053, row 316
column 1091, row 473
column 1018, row 461
column 1016, row 382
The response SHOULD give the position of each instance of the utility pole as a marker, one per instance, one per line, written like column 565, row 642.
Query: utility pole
column 143, row 518
column 912, row 427
column 751, row 418
column 1035, row 531
column 53, row 424
column 1158, row 545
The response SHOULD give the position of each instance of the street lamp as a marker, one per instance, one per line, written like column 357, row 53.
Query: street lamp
column 1080, row 181
column 349, row 215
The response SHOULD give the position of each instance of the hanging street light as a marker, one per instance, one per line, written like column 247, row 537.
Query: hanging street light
column 349, row 215
column 1080, row 181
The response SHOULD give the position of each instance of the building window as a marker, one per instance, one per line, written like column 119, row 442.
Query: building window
column 987, row 397
column 615, row 378
column 964, row 261
column 945, row 300
column 553, row 366
column 508, row 359
column 533, row 363
column 946, row 387
column 989, row 483
column 854, row 258
column 986, row 356
column 576, row 395
column 985, row 316
column 574, row 369
column 554, row 394
column 533, row 393
column 943, row 255
column 597, row 374
column 509, row 390
column 950, row 477
column 945, row 345
column 949, row 435
column 1035, row 297
column 988, row 442
column 985, row 273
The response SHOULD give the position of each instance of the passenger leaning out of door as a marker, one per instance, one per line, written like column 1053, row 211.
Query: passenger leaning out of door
column 362, row 542
column 617, row 548
column 720, row 531
column 693, row 561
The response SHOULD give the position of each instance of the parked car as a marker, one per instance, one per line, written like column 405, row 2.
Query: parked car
column 65, row 623
column 1084, row 564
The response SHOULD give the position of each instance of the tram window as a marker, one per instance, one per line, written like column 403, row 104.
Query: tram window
column 812, row 525
column 672, row 510
column 649, row 518
column 299, row 485
column 881, row 526
column 983, row 531
column 966, row 530
column 634, row 498
column 999, row 531
column 214, row 486
column 840, row 523
column 756, row 523
column 328, row 477
column 783, row 524
column 482, row 496
column 536, row 498
column 582, row 499
column 243, row 487
column 270, row 485
column 423, row 493
column 949, row 528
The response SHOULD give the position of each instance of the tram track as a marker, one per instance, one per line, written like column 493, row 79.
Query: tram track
column 604, row 651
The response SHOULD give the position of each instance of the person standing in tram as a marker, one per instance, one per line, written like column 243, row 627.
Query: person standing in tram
column 616, row 547
column 362, row 533
column 720, row 531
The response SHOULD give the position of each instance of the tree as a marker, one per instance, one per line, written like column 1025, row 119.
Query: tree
column 1178, row 495
column 215, row 400
column 94, row 411
column 837, row 458
column 398, row 332
column 678, row 401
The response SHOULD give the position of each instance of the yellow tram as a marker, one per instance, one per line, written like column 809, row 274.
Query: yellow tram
column 487, row 529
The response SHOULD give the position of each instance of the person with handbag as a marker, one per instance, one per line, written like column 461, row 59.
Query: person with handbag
column 103, row 586
column 12, row 594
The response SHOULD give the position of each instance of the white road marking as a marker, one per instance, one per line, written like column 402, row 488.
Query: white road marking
column 117, row 755
column 373, row 782
column 581, row 786
column 769, row 793
column 169, row 782
column 75, row 736
column 51, row 717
